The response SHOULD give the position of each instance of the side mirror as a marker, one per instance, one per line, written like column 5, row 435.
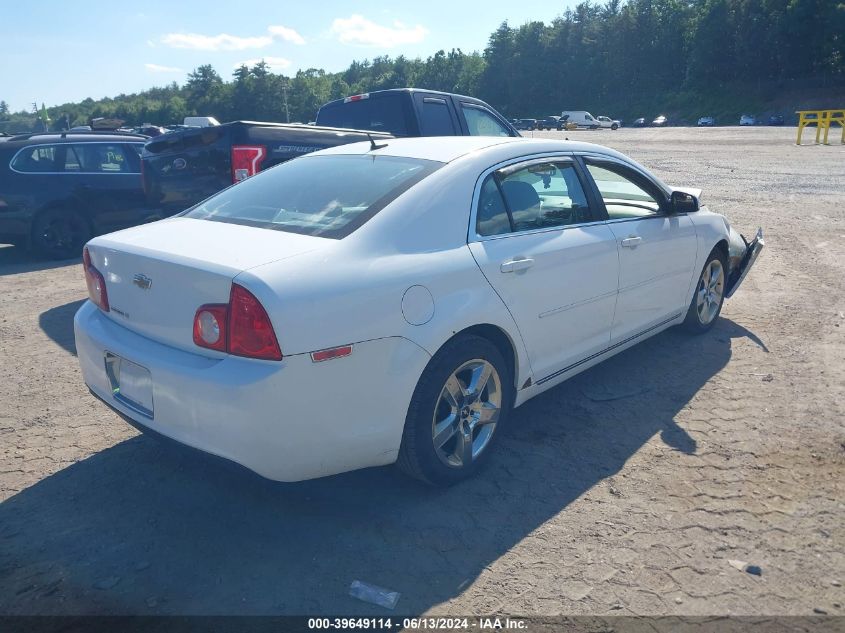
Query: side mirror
column 682, row 202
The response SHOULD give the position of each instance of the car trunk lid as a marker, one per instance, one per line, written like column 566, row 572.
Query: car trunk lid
column 158, row 274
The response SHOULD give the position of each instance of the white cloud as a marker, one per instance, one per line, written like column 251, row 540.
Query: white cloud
column 151, row 44
column 155, row 68
column 275, row 63
column 222, row 42
column 226, row 42
column 286, row 34
column 356, row 29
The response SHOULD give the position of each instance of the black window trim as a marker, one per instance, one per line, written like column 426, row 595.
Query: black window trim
column 62, row 146
column 525, row 161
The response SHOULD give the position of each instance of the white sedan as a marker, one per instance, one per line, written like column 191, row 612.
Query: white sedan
column 370, row 304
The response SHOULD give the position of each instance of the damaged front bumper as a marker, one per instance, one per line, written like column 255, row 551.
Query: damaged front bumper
column 742, row 255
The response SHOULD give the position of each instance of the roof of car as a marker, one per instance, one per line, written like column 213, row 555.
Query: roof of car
column 388, row 91
column 75, row 137
column 445, row 149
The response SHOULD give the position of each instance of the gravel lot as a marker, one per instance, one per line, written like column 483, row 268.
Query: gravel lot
column 726, row 446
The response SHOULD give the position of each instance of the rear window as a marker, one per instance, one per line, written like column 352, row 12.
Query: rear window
column 324, row 196
column 380, row 114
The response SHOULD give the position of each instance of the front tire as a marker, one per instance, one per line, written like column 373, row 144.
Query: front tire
column 709, row 296
column 457, row 412
column 614, row 127
column 60, row 233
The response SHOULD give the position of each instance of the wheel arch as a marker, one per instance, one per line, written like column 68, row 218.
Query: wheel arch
column 69, row 204
column 722, row 245
column 503, row 342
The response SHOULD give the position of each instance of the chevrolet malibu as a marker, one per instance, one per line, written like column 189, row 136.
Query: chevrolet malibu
column 371, row 304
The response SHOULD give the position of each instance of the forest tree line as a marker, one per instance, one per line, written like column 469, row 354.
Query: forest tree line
column 636, row 58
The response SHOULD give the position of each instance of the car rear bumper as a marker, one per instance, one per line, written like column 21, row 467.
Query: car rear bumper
column 288, row 420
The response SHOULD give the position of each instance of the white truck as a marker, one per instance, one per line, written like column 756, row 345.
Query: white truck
column 607, row 122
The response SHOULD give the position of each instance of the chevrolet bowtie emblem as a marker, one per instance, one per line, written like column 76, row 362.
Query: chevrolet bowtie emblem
column 142, row 281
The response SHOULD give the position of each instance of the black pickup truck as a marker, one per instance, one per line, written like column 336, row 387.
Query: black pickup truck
column 183, row 167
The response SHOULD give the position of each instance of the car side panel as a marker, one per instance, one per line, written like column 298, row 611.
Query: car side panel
column 363, row 300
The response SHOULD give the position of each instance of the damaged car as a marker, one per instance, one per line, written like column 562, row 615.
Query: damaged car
column 393, row 302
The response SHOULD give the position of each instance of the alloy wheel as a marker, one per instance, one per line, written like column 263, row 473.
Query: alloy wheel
column 711, row 288
column 467, row 413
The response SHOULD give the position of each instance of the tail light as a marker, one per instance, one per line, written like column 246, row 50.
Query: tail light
column 241, row 327
column 353, row 98
column 246, row 161
column 96, row 283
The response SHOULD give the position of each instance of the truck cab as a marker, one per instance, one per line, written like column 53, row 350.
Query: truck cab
column 414, row 112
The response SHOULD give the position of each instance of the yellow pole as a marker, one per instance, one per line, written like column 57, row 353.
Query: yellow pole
column 800, row 127
column 826, row 115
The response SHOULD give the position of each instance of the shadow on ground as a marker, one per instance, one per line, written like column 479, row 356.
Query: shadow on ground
column 147, row 527
column 15, row 260
column 57, row 323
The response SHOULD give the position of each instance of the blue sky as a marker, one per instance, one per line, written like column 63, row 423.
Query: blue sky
column 57, row 52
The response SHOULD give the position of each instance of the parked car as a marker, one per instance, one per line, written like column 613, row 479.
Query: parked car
column 660, row 121
column 150, row 130
column 526, row 124
column 565, row 124
column 748, row 119
column 58, row 189
column 607, row 122
column 404, row 278
column 776, row 119
column 581, row 118
column 641, row 122
column 187, row 165
column 549, row 123
column 706, row 121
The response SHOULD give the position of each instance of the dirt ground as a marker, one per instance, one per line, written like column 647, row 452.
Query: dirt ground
column 726, row 446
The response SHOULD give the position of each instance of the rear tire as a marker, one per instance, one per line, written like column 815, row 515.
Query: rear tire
column 709, row 295
column 457, row 412
column 60, row 233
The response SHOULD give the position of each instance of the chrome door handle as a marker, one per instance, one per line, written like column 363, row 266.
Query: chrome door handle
column 513, row 265
column 632, row 241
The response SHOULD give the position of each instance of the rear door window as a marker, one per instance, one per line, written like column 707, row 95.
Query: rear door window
column 104, row 158
column 435, row 116
column 538, row 195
